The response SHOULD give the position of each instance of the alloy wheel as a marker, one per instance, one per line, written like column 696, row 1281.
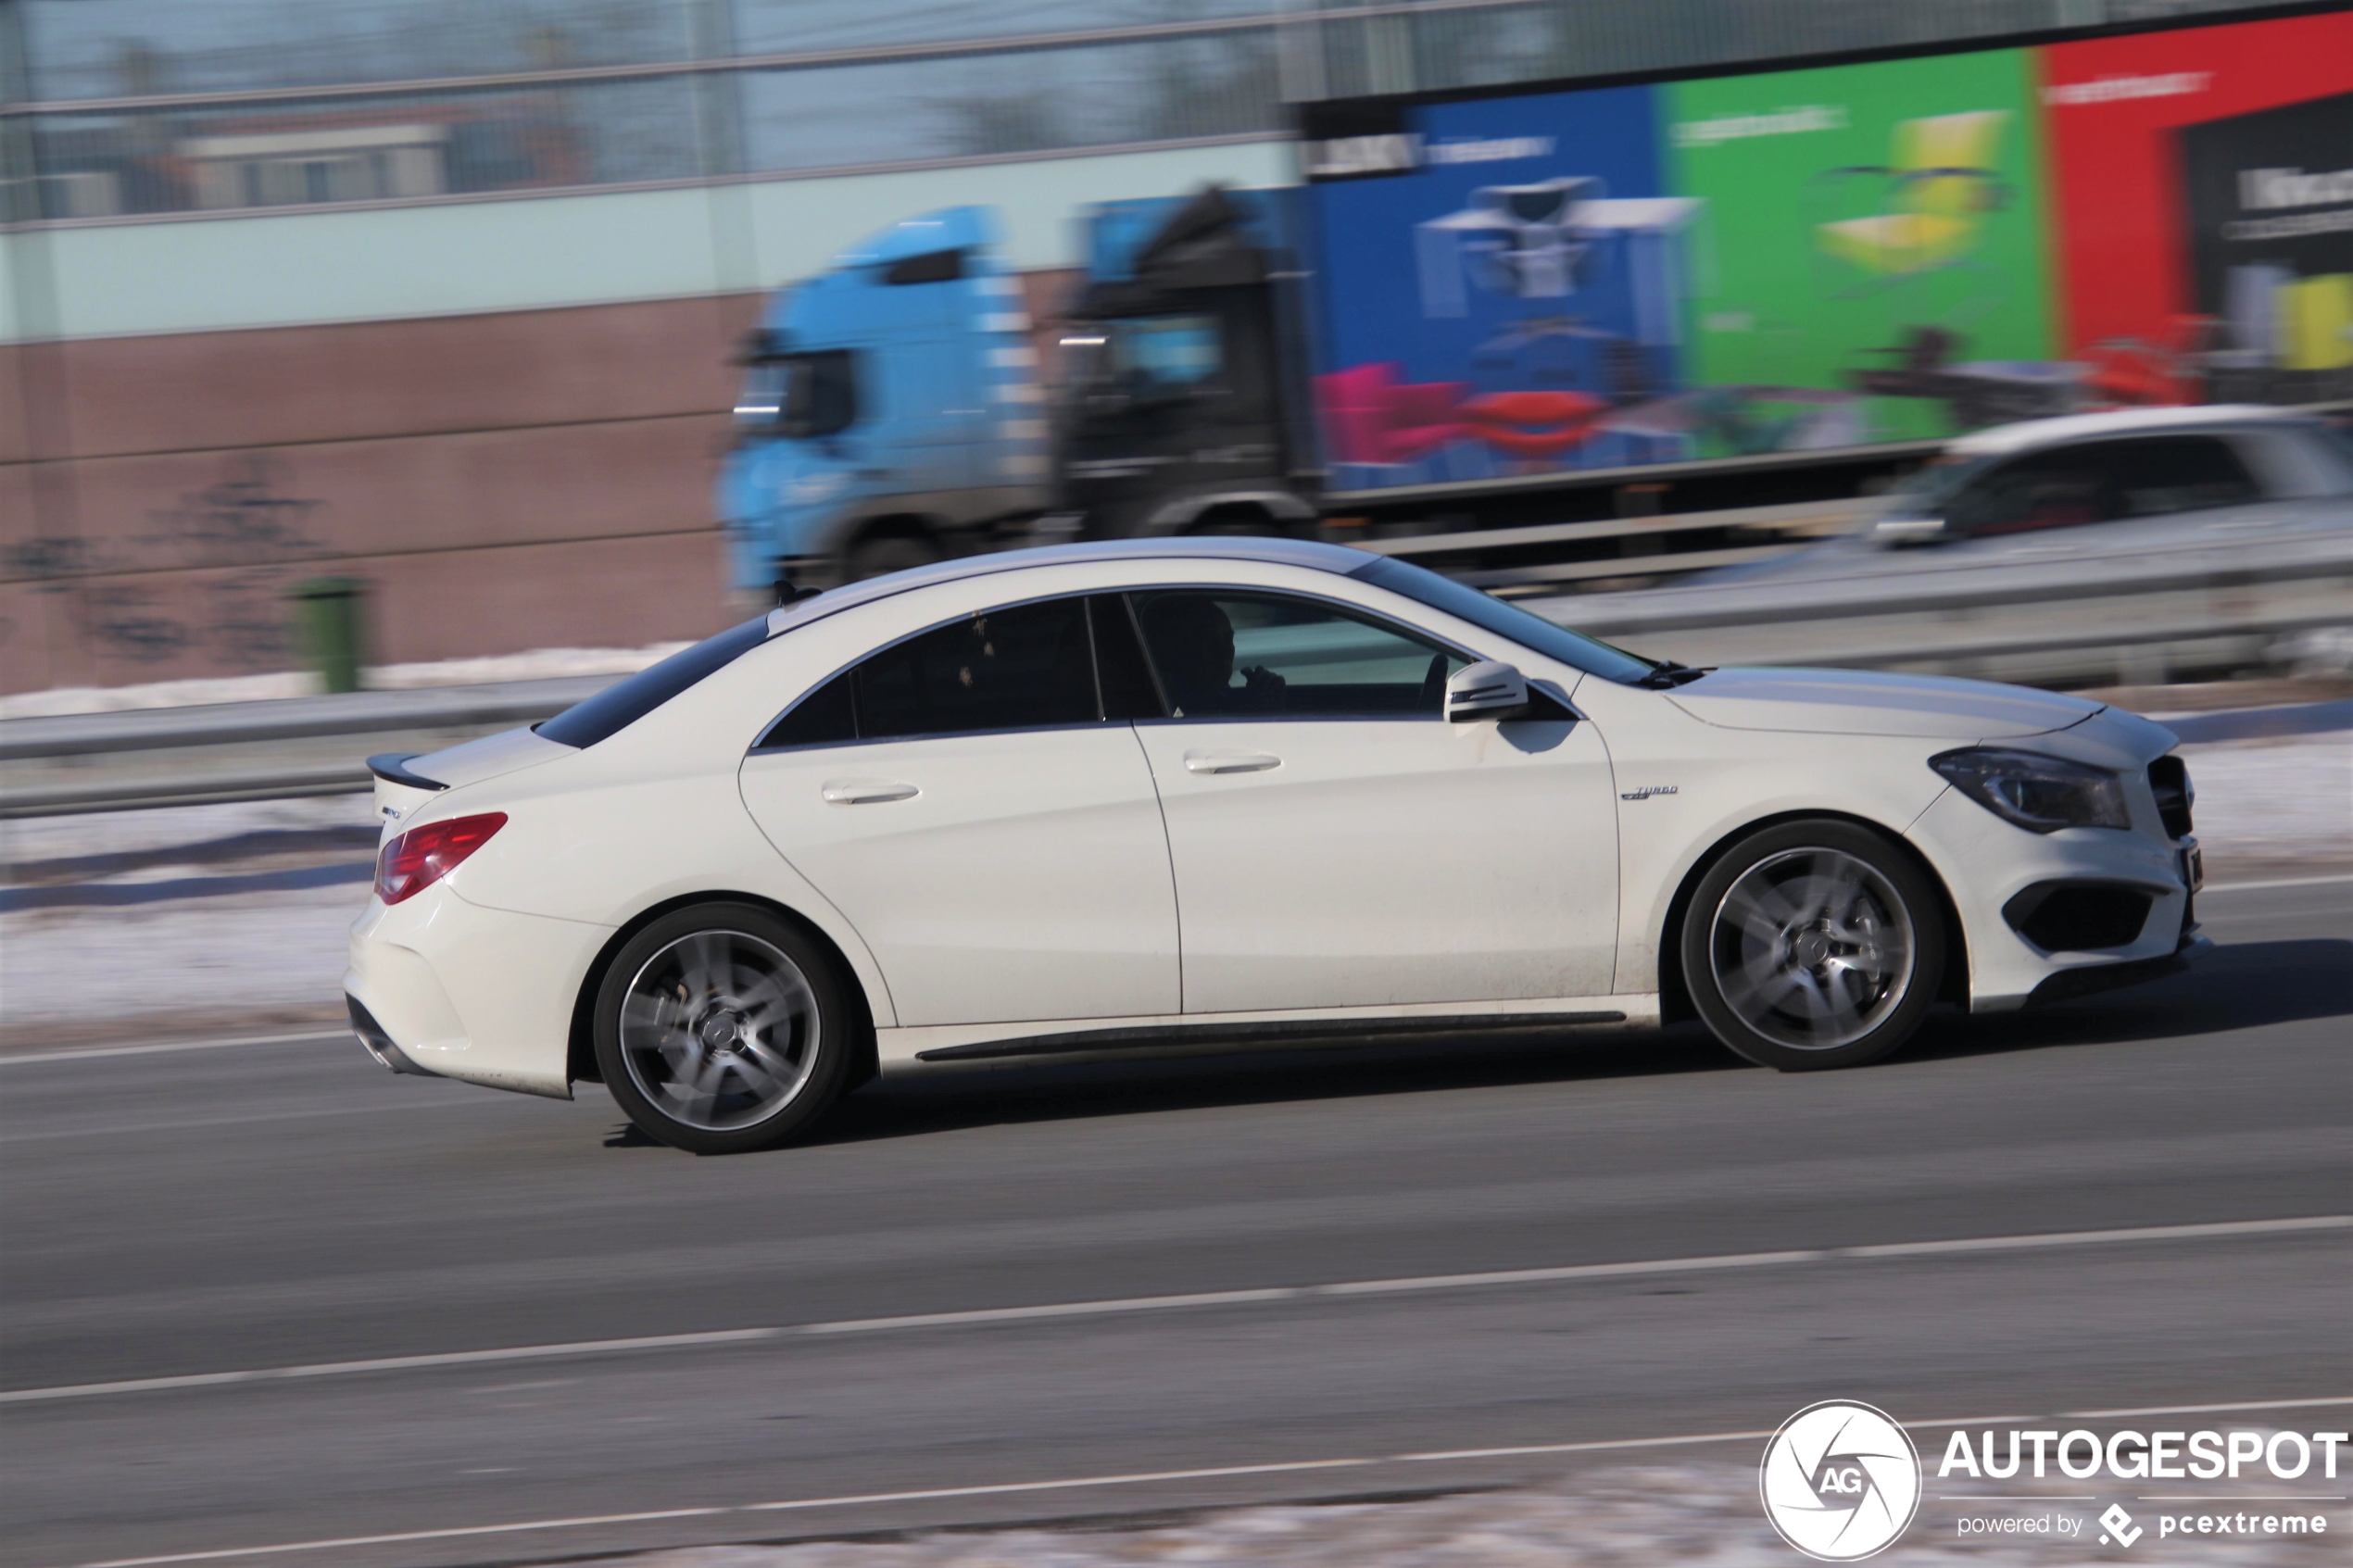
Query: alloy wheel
column 1812, row 947
column 719, row 1030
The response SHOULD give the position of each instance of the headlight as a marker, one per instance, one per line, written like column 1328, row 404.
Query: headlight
column 2040, row 794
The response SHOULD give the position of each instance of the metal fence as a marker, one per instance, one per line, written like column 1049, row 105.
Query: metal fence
column 123, row 111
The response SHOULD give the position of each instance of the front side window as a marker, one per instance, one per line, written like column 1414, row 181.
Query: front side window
column 2101, row 481
column 2061, row 489
column 2181, row 474
column 1223, row 653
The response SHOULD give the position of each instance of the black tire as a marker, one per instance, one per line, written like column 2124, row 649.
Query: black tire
column 882, row 554
column 1813, row 945
column 721, row 1029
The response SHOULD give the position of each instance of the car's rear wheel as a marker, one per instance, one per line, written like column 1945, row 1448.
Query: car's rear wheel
column 720, row 1029
column 1813, row 945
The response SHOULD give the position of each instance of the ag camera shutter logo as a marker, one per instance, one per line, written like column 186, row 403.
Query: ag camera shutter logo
column 1840, row 1480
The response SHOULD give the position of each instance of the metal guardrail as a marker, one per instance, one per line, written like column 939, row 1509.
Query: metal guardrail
column 2069, row 612
column 2073, row 611
column 252, row 750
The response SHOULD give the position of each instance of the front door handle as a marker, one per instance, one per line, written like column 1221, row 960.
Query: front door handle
column 1230, row 761
column 866, row 791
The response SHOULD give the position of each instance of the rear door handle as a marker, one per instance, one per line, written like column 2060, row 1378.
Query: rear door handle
column 1230, row 761
column 866, row 791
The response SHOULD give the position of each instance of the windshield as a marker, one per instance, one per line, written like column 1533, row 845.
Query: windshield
column 799, row 395
column 1924, row 491
column 625, row 702
column 1488, row 613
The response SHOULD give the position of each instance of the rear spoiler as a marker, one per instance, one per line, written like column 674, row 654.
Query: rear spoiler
column 390, row 767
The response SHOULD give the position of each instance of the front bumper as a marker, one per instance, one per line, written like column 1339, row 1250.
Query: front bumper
column 1998, row 874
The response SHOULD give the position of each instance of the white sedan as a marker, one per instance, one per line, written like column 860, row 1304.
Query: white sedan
column 1197, row 795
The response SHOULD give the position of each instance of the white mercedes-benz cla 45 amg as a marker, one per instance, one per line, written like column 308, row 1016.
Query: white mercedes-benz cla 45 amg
column 1160, row 796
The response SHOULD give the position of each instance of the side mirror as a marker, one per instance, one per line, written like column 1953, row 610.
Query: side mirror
column 1907, row 532
column 1491, row 689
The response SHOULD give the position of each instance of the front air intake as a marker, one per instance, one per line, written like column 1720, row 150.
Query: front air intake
column 2170, row 782
column 2078, row 917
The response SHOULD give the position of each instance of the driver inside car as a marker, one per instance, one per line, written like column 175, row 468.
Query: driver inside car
column 1192, row 642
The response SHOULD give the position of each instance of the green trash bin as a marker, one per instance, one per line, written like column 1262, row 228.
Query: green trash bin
column 327, row 610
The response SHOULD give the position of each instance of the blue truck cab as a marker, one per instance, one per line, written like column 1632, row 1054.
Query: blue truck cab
column 890, row 412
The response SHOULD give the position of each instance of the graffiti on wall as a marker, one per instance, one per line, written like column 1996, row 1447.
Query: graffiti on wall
column 233, row 548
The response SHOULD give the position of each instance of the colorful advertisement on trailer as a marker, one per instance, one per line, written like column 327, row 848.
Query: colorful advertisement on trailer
column 1827, row 257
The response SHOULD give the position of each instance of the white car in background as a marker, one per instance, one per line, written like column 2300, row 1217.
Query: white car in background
column 1183, row 795
column 2124, row 482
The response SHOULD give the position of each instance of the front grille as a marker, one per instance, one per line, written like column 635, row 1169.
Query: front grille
column 2064, row 917
column 2170, row 781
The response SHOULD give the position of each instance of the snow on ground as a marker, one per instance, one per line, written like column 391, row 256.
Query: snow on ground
column 235, row 962
column 27, row 841
column 2289, row 799
column 1700, row 1515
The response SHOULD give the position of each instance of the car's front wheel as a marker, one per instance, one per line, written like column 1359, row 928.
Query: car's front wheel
column 1813, row 945
column 721, row 1029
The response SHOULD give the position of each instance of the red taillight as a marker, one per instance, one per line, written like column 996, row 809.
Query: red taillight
column 423, row 856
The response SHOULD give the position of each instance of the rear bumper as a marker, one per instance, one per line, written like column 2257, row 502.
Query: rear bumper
column 379, row 1043
column 450, row 989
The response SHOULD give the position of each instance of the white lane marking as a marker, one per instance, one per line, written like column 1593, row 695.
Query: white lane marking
column 1574, row 1271
column 97, row 1052
column 1168, row 1303
column 2204, row 1410
column 191, row 1124
column 582, row 1523
column 930, row 1494
column 1059, row 1310
column 1138, row 1478
column 2094, row 1239
column 394, row 1363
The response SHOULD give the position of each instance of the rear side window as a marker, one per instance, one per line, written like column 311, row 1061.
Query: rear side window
column 1028, row 667
column 2188, row 474
column 625, row 702
column 1013, row 668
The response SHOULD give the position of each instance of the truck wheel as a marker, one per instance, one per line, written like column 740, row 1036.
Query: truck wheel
column 1238, row 522
column 885, row 553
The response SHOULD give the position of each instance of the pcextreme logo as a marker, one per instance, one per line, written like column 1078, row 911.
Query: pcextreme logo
column 1840, row 1480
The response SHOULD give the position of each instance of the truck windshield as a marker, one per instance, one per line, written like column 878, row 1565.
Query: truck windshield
column 1572, row 648
column 799, row 395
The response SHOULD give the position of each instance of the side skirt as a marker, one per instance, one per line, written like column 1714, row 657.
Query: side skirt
column 949, row 1047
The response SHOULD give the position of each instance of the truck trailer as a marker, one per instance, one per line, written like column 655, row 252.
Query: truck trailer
column 1570, row 301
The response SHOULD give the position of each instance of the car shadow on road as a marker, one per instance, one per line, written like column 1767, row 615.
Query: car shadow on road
column 1426, row 1064
column 2240, row 985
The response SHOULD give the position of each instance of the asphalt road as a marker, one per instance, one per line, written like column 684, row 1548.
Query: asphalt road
column 282, row 1205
